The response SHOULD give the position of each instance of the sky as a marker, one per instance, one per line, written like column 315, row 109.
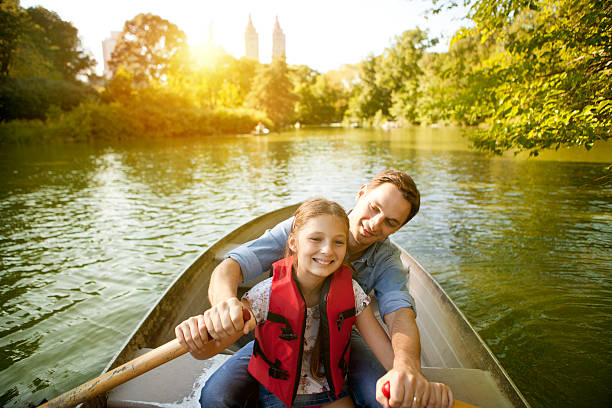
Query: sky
column 323, row 34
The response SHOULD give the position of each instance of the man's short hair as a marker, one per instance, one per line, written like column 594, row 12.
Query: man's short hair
column 404, row 184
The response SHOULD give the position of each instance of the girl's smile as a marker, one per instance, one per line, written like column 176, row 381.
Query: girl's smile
column 320, row 247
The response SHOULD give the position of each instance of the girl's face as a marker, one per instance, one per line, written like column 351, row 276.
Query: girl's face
column 319, row 245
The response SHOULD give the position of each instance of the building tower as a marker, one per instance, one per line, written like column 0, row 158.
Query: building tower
column 278, row 41
column 251, row 41
column 108, row 46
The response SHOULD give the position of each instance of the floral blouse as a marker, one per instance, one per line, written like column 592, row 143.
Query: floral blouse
column 259, row 298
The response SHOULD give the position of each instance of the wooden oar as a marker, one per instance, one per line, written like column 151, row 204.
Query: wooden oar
column 386, row 390
column 126, row 372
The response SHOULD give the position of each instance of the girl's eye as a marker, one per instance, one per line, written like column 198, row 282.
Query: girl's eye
column 315, row 239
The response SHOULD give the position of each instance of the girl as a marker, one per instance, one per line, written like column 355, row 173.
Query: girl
column 304, row 315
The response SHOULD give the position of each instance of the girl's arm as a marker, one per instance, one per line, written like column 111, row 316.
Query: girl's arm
column 193, row 336
column 375, row 337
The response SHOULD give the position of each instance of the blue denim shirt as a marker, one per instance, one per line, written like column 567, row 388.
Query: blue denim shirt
column 379, row 268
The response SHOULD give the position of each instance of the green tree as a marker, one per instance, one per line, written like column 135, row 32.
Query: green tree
column 37, row 43
column 211, row 78
column 42, row 62
column 58, row 43
column 11, row 28
column 370, row 96
column 146, row 46
column 320, row 102
column 546, row 81
column 272, row 92
column 401, row 73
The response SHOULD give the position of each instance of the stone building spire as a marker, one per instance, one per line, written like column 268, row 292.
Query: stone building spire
column 278, row 41
column 251, row 41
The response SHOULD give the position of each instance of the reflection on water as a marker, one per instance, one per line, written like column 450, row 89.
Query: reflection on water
column 91, row 236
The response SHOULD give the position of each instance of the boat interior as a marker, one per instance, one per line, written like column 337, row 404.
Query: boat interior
column 451, row 351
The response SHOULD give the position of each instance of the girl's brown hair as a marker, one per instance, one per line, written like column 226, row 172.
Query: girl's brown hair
column 310, row 209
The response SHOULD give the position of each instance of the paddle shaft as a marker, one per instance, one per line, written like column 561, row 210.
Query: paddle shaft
column 126, row 372
column 119, row 375
column 457, row 404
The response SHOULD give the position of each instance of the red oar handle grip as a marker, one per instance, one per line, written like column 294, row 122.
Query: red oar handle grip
column 386, row 389
column 246, row 315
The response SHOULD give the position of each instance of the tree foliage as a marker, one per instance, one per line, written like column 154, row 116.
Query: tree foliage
column 11, row 28
column 58, row 43
column 146, row 46
column 37, row 43
column 41, row 63
column 211, row 78
column 272, row 92
column 544, row 81
column 389, row 83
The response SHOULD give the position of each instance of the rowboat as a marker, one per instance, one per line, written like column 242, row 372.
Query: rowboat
column 452, row 351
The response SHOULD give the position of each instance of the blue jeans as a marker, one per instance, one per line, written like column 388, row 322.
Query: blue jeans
column 232, row 386
column 269, row 400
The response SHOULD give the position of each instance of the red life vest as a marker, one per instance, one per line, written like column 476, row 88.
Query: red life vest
column 277, row 353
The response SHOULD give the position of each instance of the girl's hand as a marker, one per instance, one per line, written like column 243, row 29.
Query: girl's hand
column 192, row 334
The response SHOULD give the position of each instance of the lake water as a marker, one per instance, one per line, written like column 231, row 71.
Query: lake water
column 92, row 235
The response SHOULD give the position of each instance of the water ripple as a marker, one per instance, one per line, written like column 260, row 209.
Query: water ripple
column 92, row 236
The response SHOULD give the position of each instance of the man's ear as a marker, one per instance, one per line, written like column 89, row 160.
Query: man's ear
column 291, row 243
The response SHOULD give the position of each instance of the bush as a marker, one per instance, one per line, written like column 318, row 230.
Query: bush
column 31, row 98
column 22, row 131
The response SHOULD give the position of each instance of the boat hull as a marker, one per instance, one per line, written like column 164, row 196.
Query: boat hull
column 452, row 351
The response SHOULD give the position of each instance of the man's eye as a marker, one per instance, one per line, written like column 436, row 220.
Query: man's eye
column 339, row 242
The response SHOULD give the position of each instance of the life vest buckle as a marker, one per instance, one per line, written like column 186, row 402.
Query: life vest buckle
column 340, row 321
column 275, row 371
column 287, row 333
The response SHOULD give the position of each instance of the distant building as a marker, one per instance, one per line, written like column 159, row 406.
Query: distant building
column 278, row 41
column 251, row 41
column 108, row 46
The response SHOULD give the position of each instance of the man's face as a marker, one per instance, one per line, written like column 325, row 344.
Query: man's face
column 378, row 213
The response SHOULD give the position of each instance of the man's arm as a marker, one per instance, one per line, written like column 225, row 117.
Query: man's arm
column 244, row 263
column 224, row 281
column 411, row 386
column 405, row 376
column 224, row 318
column 404, row 338
column 397, row 308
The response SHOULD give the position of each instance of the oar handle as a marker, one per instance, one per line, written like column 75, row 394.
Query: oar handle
column 126, row 372
column 386, row 390
column 118, row 376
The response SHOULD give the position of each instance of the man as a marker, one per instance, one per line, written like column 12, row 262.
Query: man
column 383, row 206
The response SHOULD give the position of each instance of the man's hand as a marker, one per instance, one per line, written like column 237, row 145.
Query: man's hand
column 436, row 395
column 440, row 395
column 193, row 334
column 408, row 388
column 224, row 320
